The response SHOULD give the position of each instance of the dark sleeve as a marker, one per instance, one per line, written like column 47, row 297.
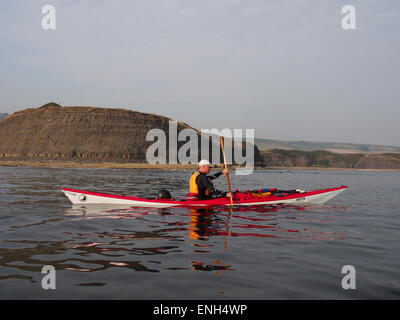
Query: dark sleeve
column 215, row 175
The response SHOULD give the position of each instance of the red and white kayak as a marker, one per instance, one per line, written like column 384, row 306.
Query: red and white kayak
column 239, row 198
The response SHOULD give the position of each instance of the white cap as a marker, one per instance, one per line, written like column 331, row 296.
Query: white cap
column 205, row 163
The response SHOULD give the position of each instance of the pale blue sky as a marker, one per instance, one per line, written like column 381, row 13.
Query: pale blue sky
column 285, row 68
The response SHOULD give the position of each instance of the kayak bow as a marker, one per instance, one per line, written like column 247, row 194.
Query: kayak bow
column 240, row 198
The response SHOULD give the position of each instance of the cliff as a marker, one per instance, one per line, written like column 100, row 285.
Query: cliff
column 87, row 133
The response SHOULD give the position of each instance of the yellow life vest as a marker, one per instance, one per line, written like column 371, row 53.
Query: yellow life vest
column 193, row 185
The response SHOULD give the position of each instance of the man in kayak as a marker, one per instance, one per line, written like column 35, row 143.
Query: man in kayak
column 201, row 185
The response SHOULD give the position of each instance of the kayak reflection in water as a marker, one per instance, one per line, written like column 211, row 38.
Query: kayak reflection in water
column 201, row 186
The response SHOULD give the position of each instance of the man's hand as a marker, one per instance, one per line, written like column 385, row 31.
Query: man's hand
column 229, row 195
column 225, row 172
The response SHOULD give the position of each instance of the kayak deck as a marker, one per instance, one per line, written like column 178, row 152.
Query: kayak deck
column 239, row 198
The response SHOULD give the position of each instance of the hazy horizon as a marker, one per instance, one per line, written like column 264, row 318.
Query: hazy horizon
column 286, row 69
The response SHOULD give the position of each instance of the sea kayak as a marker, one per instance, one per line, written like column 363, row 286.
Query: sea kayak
column 246, row 198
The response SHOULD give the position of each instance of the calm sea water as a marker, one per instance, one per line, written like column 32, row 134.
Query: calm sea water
column 282, row 252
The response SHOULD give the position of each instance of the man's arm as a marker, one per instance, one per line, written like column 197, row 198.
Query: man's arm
column 215, row 175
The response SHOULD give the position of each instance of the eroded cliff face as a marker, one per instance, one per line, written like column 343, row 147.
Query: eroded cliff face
column 88, row 133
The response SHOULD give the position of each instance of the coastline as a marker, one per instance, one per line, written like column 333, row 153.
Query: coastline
column 116, row 165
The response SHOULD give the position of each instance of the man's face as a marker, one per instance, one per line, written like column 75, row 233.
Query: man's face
column 205, row 169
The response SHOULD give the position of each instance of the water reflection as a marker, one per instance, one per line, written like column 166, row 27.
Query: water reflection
column 215, row 266
column 41, row 253
column 156, row 233
column 281, row 221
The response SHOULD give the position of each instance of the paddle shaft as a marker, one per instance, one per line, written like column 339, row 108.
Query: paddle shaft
column 227, row 176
